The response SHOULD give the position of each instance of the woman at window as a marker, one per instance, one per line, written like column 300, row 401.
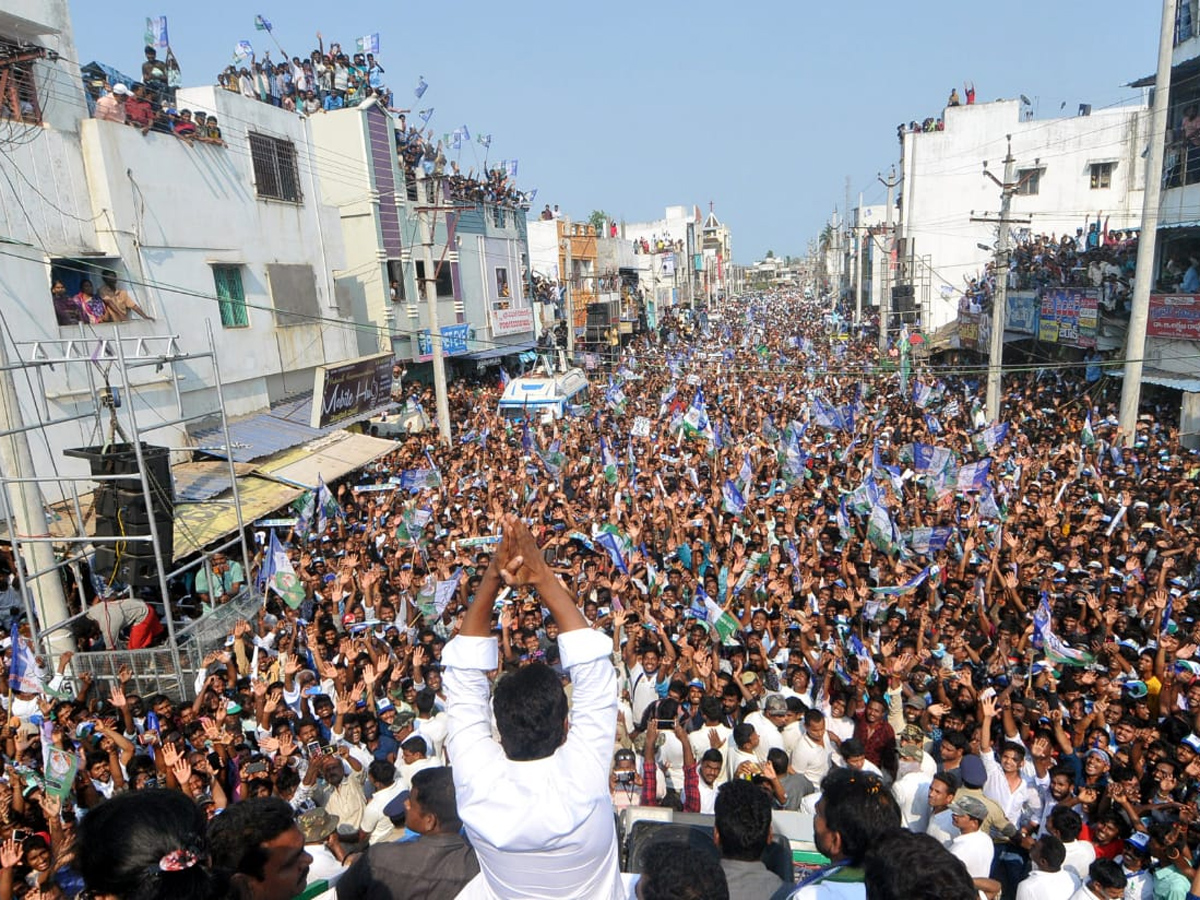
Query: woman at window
column 92, row 309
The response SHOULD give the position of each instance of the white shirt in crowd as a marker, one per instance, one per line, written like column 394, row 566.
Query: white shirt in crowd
column 1046, row 886
column 912, row 796
column 1080, row 855
column 540, row 828
column 975, row 850
column 942, row 827
column 768, row 735
column 377, row 826
column 812, row 758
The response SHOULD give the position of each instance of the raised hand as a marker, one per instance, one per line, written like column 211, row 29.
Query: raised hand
column 10, row 854
column 117, row 697
column 183, row 772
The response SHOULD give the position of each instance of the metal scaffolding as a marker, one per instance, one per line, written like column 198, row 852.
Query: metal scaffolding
column 166, row 668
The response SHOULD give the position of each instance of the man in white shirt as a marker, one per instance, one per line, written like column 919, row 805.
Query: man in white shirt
column 1066, row 825
column 1105, row 881
column 536, row 806
column 911, row 789
column 766, row 724
column 1047, row 881
column 972, row 846
column 375, row 824
column 430, row 723
column 942, row 788
column 814, row 748
column 702, row 739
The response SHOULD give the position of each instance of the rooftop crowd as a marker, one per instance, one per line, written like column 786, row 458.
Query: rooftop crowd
column 967, row 649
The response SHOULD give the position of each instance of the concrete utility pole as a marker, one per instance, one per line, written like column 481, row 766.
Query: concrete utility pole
column 1000, row 301
column 431, row 300
column 858, row 263
column 885, row 298
column 570, row 288
column 29, row 518
column 1135, row 341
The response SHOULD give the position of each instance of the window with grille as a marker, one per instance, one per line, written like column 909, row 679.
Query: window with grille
column 1101, row 175
column 443, row 280
column 498, row 215
column 276, row 176
column 18, row 90
column 1029, row 182
column 228, row 281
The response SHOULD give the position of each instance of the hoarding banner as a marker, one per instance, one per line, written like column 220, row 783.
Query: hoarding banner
column 1174, row 316
column 511, row 321
column 351, row 390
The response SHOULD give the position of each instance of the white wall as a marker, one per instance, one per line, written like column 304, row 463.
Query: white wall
column 543, row 247
column 944, row 184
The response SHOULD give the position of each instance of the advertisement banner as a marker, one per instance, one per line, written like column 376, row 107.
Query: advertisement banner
column 351, row 390
column 1022, row 312
column 1068, row 316
column 511, row 321
column 968, row 330
column 1174, row 316
column 454, row 341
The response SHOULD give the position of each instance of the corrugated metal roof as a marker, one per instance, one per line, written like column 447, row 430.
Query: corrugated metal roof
column 502, row 350
column 1166, row 379
column 284, row 425
column 196, row 481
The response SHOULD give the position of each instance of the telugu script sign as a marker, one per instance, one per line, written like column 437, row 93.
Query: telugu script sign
column 511, row 321
column 351, row 390
column 1174, row 316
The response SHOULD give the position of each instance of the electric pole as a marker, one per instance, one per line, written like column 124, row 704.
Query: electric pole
column 858, row 262
column 885, row 298
column 429, row 285
column 1000, row 299
column 570, row 288
column 1135, row 342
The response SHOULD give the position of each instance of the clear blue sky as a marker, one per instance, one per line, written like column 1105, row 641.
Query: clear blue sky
column 763, row 108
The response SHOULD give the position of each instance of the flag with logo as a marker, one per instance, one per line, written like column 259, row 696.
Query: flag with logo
column 608, row 460
column 327, row 506
column 1051, row 644
column 973, row 476
column 24, row 673
column 279, row 576
column 908, row 587
column 421, row 87
column 1088, row 438
column 695, row 420
column 156, row 33
column 262, row 23
column 614, row 546
column 305, row 507
column 988, row 439
column 734, row 502
column 368, row 43
column 722, row 622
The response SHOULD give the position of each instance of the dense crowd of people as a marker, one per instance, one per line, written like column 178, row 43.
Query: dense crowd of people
column 760, row 574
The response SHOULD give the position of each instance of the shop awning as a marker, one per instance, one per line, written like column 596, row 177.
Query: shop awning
column 284, row 425
column 275, row 483
column 329, row 459
column 1166, row 379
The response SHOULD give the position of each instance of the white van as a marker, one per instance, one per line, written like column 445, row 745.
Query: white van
column 547, row 396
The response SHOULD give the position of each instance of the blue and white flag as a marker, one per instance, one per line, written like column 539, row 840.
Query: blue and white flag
column 929, row 539
column 368, row 43
column 421, row 88
column 262, row 23
column 734, row 502
column 988, row 439
column 241, row 50
column 928, row 458
column 417, row 480
column 973, row 476
column 24, row 675
column 665, row 400
column 444, row 592
column 485, row 139
column 279, row 576
column 327, row 506
column 510, row 166
column 156, row 33
column 911, row 585
column 425, row 115
column 695, row 420
column 611, row 543
column 608, row 460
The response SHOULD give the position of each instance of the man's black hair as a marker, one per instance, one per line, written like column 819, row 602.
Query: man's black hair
column 530, row 706
column 743, row 820
column 1049, row 852
column 426, row 700
column 712, row 755
column 433, row 790
column 236, row 836
column 382, row 771
column 1067, row 823
column 949, row 779
column 859, row 809
column 1106, row 873
column 711, row 709
column 901, row 865
column 671, row 870
column 415, row 744
column 778, row 758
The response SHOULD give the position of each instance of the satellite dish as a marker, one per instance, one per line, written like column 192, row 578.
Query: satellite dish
column 1026, row 100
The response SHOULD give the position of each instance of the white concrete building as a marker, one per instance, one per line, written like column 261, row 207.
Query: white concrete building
column 234, row 238
column 1076, row 169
